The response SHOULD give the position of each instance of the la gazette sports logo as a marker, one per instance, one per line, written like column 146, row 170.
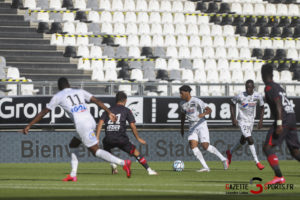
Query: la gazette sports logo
column 255, row 187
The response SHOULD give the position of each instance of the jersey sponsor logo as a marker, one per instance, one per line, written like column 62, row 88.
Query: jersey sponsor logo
column 244, row 105
column 80, row 108
column 92, row 136
column 113, row 128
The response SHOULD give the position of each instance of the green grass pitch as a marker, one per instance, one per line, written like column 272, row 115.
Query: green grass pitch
column 43, row 181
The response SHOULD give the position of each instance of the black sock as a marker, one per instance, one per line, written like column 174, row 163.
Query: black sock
column 142, row 161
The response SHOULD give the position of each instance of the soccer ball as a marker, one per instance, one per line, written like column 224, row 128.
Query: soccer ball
column 178, row 166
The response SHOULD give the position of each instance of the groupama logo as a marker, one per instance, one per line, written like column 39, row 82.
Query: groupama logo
column 259, row 186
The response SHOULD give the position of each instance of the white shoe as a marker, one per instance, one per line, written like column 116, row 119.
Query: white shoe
column 151, row 171
column 203, row 170
column 225, row 164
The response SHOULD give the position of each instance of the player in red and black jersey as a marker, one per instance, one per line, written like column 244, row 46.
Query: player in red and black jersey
column 115, row 132
column 284, row 127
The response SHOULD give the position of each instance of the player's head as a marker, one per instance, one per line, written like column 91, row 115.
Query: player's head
column 63, row 83
column 267, row 72
column 249, row 86
column 121, row 97
column 185, row 92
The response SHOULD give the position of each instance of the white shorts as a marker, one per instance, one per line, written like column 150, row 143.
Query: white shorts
column 246, row 129
column 86, row 132
column 199, row 132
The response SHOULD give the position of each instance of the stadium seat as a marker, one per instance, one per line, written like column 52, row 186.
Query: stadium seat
column 131, row 28
column 182, row 40
column 141, row 5
column 84, row 64
column 153, row 5
column 154, row 17
column 111, row 75
column 194, row 41
column 80, row 4
column 179, row 18
column 117, row 5
column 200, row 76
column 104, row 4
column 158, row 40
column 142, row 17
column 173, row 64
column 160, row 64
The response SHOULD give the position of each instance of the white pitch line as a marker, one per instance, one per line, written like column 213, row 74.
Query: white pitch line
column 111, row 189
column 105, row 184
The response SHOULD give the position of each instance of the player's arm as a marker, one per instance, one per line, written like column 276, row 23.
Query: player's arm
column 35, row 120
column 278, row 105
column 182, row 117
column 136, row 134
column 99, row 127
column 207, row 111
column 261, row 117
column 112, row 116
column 233, row 114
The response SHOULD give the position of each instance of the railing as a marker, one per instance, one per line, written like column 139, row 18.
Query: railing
column 137, row 88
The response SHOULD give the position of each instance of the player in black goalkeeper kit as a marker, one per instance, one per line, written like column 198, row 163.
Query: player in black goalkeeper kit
column 115, row 132
column 284, row 127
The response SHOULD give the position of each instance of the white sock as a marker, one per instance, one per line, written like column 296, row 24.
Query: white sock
column 113, row 165
column 235, row 147
column 215, row 151
column 252, row 149
column 199, row 156
column 109, row 157
column 74, row 161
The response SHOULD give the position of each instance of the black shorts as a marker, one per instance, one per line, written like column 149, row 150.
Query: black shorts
column 289, row 134
column 121, row 142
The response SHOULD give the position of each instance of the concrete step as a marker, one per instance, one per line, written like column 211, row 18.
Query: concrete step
column 20, row 35
column 11, row 17
column 37, row 59
column 7, row 10
column 17, row 29
column 53, row 71
column 21, row 42
column 54, row 77
column 16, row 23
column 26, row 47
column 4, row 5
column 7, row 53
column 38, row 65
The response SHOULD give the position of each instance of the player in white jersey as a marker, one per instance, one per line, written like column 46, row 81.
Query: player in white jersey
column 195, row 110
column 244, row 115
column 73, row 101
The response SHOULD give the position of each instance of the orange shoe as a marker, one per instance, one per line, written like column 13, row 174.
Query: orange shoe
column 126, row 168
column 70, row 178
column 229, row 156
column 260, row 166
column 279, row 180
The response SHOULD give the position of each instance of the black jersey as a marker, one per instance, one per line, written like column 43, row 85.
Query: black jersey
column 123, row 114
column 274, row 91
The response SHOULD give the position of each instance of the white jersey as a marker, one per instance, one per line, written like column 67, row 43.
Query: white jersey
column 73, row 101
column 192, row 109
column 246, row 106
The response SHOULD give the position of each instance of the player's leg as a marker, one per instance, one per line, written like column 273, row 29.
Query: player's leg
column 193, row 142
column 203, row 135
column 293, row 143
column 229, row 152
column 141, row 159
column 273, row 140
column 107, row 146
column 99, row 153
column 73, row 145
column 89, row 139
column 253, row 152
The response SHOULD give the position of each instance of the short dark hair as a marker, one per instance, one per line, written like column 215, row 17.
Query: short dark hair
column 63, row 83
column 249, row 81
column 121, row 96
column 267, row 70
column 185, row 88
